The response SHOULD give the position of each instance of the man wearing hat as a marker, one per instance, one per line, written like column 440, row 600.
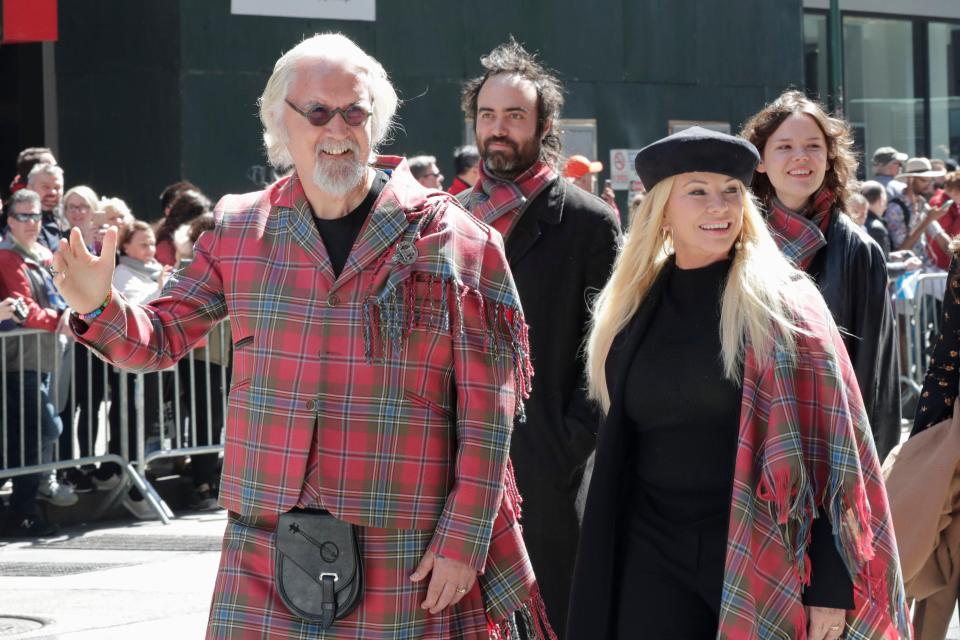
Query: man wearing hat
column 887, row 163
column 560, row 243
column 582, row 172
column 909, row 218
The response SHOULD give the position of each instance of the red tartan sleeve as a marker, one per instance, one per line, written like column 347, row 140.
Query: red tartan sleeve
column 15, row 283
column 485, row 371
column 154, row 336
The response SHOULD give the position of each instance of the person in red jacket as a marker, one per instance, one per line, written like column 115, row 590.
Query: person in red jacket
column 950, row 222
column 28, row 365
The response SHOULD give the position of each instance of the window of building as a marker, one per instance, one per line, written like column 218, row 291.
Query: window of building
column 882, row 102
column 944, row 48
column 816, row 57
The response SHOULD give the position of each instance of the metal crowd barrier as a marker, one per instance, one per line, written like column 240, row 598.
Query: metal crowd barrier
column 167, row 417
column 918, row 302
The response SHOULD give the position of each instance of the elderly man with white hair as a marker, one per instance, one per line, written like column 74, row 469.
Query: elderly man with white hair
column 380, row 354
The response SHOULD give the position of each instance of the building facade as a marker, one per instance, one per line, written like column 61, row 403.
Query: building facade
column 150, row 92
column 901, row 72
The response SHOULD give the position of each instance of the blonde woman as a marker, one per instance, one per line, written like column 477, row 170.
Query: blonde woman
column 736, row 491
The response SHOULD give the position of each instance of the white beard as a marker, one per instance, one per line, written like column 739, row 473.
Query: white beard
column 338, row 176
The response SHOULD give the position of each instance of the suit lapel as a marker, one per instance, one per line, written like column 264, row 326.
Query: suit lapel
column 296, row 222
column 544, row 208
column 394, row 211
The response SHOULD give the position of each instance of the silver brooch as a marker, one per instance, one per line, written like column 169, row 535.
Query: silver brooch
column 406, row 252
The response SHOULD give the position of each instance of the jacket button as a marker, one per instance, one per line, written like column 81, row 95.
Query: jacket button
column 333, row 300
column 312, row 405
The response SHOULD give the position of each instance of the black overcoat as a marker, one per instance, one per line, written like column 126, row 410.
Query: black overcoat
column 594, row 593
column 851, row 272
column 561, row 253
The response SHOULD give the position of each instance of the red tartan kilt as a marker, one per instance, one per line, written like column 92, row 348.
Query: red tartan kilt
column 246, row 603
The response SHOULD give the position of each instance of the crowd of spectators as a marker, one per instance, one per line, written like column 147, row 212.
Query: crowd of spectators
column 58, row 395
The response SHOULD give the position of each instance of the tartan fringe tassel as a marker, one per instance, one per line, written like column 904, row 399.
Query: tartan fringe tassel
column 852, row 525
column 794, row 508
column 531, row 616
column 389, row 317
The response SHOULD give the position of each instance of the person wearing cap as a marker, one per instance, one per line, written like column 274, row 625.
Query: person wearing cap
column 911, row 220
column 560, row 243
column 887, row 163
column 714, row 510
column 582, row 172
column 802, row 182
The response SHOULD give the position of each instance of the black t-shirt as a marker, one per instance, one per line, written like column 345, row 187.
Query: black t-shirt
column 338, row 235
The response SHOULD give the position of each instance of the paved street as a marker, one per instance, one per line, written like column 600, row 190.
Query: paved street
column 110, row 580
column 119, row 579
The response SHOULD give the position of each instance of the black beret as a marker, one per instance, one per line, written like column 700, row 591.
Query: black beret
column 697, row 149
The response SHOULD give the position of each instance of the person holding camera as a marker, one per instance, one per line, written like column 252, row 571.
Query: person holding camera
column 24, row 274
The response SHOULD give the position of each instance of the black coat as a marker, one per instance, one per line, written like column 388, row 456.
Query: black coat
column 593, row 600
column 851, row 272
column 561, row 253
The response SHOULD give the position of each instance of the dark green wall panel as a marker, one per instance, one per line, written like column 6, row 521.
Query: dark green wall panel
column 182, row 76
column 119, row 98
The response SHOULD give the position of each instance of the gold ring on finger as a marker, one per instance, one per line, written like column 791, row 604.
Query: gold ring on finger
column 461, row 589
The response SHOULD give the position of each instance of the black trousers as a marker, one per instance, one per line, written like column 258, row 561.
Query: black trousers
column 671, row 579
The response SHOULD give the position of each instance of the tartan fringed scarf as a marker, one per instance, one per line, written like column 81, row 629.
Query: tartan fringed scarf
column 799, row 236
column 805, row 443
column 499, row 203
column 511, row 605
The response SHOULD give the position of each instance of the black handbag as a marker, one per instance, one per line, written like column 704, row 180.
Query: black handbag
column 319, row 570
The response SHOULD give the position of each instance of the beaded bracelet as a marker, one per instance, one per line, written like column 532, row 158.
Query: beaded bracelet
column 87, row 317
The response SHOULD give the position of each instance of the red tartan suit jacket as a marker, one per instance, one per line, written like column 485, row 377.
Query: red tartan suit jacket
column 407, row 364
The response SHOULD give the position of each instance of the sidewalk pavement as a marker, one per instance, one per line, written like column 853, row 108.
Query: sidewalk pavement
column 120, row 580
column 109, row 580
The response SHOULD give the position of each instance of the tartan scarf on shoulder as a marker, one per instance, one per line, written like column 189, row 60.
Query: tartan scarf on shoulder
column 805, row 443
column 499, row 203
column 799, row 236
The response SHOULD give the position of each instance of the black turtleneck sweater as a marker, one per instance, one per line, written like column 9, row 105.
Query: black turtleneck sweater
column 685, row 417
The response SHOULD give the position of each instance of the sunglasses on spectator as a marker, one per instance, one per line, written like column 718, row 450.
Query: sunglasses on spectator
column 27, row 217
column 354, row 115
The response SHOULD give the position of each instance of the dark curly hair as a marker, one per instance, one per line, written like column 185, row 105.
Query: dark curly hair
column 188, row 205
column 172, row 191
column 841, row 160
column 512, row 59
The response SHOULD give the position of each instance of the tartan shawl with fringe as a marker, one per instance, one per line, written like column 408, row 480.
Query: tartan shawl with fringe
column 805, row 442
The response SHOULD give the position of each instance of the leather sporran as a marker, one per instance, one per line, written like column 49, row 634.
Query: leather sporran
column 319, row 570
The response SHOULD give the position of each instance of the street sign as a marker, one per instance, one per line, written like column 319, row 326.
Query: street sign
column 622, row 171
column 29, row 21
column 325, row 9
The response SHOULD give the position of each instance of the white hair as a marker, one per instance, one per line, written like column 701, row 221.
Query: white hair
column 329, row 47
column 45, row 168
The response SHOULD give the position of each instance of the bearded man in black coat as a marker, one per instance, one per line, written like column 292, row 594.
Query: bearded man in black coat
column 561, row 243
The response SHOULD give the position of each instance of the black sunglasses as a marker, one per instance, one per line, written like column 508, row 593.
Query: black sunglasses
column 354, row 115
column 27, row 217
